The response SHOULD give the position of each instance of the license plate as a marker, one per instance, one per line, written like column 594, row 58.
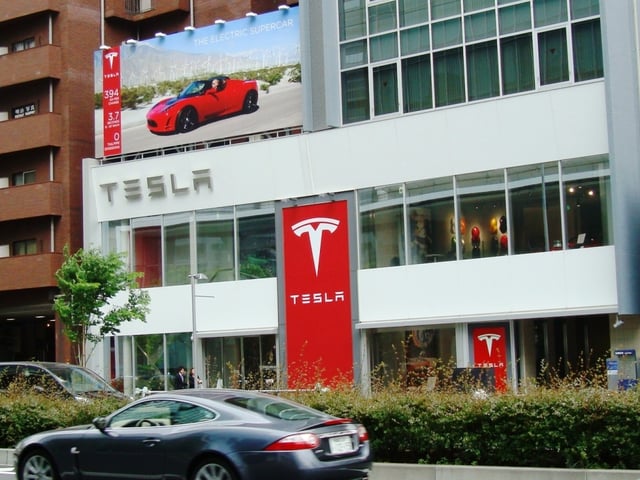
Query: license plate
column 339, row 445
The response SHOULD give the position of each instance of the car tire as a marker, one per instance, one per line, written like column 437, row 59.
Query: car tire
column 250, row 102
column 187, row 120
column 213, row 469
column 37, row 464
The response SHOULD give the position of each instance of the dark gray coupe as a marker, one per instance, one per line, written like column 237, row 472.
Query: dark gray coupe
column 201, row 434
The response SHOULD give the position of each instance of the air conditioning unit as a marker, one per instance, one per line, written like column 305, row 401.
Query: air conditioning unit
column 4, row 50
column 4, row 182
column 4, row 251
column 4, row 116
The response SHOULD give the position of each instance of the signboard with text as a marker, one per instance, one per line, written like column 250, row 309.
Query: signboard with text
column 317, row 291
column 490, row 351
column 221, row 81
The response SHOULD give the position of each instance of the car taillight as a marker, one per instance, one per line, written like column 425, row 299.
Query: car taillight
column 363, row 435
column 298, row 441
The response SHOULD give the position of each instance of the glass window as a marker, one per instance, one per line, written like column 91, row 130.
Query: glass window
column 413, row 12
column 177, row 257
column 242, row 362
column 352, row 19
column 416, row 83
column 215, row 244
column 484, row 230
column 414, row 40
column 147, row 251
column 25, row 247
column 447, row 33
column 482, row 70
column 473, row 5
column 587, row 50
column 355, row 96
column 552, row 50
column 381, row 226
column 382, row 18
column 547, row 12
column 431, row 212
column 515, row 18
column 444, row 8
column 517, row 64
column 584, row 8
column 353, row 54
column 149, row 362
column 479, row 26
column 412, row 357
column 385, row 89
column 449, row 77
column 116, row 237
column 23, row 178
column 534, row 195
column 586, row 187
column 256, row 241
column 383, row 47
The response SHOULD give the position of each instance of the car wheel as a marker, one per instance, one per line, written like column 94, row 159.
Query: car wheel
column 213, row 469
column 187, row 120
column 37, row 465
column 250, row 102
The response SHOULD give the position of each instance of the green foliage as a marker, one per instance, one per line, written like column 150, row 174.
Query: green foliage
column 88, row 281
column 133, row 96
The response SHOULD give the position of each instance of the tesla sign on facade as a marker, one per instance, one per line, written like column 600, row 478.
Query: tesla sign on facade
column 317, row 292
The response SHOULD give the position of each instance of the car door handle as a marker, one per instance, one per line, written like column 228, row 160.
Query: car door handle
column 151, row 442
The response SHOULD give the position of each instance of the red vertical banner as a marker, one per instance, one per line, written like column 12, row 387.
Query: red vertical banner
column 318, row 324
column 490, row 351
column 111, row 102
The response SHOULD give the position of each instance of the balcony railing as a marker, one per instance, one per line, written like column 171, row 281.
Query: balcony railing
column 33, row 131
column 31, row 201
column 14, row 10
column 138, row 10
column 31, row 64
column 29, row 271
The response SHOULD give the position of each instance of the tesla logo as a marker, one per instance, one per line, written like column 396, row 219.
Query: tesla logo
column 489, row 338
column 315, row 227
column 111, row 56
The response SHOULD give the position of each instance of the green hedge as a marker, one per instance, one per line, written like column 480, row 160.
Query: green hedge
column 588, row 428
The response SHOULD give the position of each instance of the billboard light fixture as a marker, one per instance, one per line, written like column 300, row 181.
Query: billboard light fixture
column 220, row 21
column 283, row 7
column 189, row 28
column 251, row 14
column 161, row 34
column 131, row 41
column 104, row 47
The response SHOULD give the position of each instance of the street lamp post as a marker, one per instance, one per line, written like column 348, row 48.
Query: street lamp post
column 194, row 277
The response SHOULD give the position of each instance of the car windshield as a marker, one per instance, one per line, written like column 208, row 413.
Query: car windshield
column 79, row 380
column 194, row 88
column 275, row 408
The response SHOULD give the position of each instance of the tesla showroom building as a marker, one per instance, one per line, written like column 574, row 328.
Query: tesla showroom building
column 380, row 187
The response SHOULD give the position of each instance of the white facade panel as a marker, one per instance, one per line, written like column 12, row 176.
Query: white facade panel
column 553, row 284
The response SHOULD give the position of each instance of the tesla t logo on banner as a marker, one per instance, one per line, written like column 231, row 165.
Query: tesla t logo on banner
column 111, row 103
column 317, row 294
column 489, row 351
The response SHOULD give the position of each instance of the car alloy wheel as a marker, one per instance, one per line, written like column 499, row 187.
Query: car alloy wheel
column 250, row 102
column 187, row 120
column 37, row 466
column 213, row 469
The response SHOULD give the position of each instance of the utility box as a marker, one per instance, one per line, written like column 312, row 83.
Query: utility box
column 627, row 370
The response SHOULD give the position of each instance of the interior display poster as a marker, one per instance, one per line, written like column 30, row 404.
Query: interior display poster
column 317, row 295
column 490, row 351
column 226, row 80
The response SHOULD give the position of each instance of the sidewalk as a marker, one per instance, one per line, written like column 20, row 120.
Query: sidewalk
column 399, row 471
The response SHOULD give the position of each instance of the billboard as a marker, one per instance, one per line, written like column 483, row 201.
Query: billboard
column 225, row 80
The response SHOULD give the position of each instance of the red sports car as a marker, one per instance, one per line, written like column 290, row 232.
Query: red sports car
column 203, row 101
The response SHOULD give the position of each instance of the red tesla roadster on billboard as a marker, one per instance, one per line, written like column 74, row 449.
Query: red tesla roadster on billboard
column 203, row 101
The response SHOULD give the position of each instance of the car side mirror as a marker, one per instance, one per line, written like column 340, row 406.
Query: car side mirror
column 100, row 423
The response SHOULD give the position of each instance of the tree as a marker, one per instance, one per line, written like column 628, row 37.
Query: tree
column 88, row 281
